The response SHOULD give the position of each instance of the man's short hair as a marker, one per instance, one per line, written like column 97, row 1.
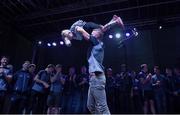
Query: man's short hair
column 143, row 65
column 63, row 32
column 58, row 65
column 109, row 69
column 32, row 65
column 157, row 67
column 123, row 65
column 50, row 66
column 26, row 61
column 5, row 57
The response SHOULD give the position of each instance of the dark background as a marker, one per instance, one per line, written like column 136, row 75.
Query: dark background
column 24, row 22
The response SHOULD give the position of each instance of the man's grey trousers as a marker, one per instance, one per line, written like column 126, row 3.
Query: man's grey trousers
column 97, row 103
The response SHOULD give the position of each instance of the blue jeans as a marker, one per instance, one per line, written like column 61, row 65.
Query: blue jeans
column 76, row 101
column 66, row 101
column 96, row 102
column 160, row 99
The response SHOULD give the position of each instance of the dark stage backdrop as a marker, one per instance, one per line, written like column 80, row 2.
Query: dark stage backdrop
column 16, row 47
column 154, row 47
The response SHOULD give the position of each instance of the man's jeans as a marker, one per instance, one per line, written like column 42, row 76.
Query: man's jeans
column 160, row 99
column 96, row 102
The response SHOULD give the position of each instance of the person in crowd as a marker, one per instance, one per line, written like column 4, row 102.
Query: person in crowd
column 123, row 92
column 110, row 89
column 70, row 88
column 127, row 87
column 146, row 84
column 5, row 80
column 158, row 83
column 54, row 100
column 169, row 88
column 118, row 92
column 83, row 85
column 40, row 90
column 21, row 87
column 31, row 69
column 136, row 94
column 176, row 91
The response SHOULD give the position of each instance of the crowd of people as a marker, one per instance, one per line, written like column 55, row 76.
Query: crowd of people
column 52, row 91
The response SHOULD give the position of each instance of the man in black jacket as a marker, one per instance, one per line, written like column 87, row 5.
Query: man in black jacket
column 5, row 79
column 21, row 86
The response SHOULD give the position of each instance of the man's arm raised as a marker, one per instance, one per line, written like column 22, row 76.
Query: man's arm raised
column 83, row 32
